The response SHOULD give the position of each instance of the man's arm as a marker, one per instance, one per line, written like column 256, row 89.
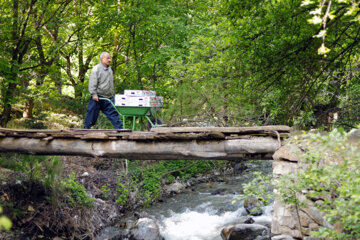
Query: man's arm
column 93, row 82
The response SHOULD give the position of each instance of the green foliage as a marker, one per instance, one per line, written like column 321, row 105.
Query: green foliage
column 222, row 63
column 146, row 180
column 77, row 195
column 106, row 191
column 123, row 191
column 5, row 222
column 330, row 172
column 259, row 188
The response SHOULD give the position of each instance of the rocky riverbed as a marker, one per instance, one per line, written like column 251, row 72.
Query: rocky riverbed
column 205, row 210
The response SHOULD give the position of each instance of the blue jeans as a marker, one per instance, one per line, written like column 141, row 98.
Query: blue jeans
column 105, row 106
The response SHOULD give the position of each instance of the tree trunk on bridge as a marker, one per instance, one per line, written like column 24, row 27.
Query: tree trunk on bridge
column 232, row 149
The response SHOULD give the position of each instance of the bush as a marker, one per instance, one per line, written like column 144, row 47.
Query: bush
column 76, row 194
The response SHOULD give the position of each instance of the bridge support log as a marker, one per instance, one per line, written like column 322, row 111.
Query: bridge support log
column 232, row 149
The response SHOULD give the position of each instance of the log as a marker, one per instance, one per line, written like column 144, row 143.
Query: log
column 242, row 130
column 145, row 150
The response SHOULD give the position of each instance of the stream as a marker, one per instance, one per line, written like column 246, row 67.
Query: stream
column 201, row 212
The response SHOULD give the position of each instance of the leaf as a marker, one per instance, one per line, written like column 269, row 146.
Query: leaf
column 5, row 223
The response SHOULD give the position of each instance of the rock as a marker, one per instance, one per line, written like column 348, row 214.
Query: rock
column 284, row 220
column 354, row 136
column 249, row 221
column 288, row 153
column 218, row 191
column 145, row 229
column 246, row 232
column 238, row 168
column 174, row 188
column 284, row 167
column 282, row 237
column 253, row 206
column 264, row 220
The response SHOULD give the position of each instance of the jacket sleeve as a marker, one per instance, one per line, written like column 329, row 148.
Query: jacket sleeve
column 93, row 82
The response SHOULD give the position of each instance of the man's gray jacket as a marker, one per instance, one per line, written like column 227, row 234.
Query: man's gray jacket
column 101, row 81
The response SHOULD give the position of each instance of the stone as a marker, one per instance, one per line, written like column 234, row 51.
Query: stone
column 249, row 221
column 354, row 136
column 218, row 191
column 246, row 232
column 284, row 167
column 284, row 215
column 145, row 229
column 305, row 220
column 288, row 153
column 276, row 228
column 176, row 187
column 284, row 220
column 282, row 237
column 238, row 168
column 253, row 206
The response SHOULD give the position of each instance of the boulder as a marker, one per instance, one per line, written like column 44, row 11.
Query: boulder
column 246, row 232
column 174, row 188
column 145, row 229
column 288, row 153
column 253, row 206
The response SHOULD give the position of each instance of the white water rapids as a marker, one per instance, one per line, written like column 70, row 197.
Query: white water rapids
column 199, row 214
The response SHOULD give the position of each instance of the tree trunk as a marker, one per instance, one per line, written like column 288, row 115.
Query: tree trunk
column 28, row 111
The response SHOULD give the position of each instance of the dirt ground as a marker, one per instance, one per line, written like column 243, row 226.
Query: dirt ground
column 33, row 216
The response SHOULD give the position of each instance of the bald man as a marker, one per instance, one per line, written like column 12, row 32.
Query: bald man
column 101, row 85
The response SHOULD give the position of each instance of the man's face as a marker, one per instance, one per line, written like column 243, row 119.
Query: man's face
column 106, row 60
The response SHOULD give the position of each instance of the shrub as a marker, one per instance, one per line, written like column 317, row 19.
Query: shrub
column 76, row 194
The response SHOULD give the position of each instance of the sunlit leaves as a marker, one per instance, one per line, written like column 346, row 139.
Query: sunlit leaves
column 5, row 222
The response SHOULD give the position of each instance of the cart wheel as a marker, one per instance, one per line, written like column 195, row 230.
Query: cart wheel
column 157, row 121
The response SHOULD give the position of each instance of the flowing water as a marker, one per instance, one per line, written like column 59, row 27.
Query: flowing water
column 200, row 214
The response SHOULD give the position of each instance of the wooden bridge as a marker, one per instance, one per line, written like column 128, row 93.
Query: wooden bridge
column 163, row 143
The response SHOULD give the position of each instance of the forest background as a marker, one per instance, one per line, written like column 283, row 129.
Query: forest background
column 223, row 62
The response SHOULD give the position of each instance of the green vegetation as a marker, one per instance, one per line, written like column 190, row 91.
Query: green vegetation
column 259, row 188
column 5, row 222
column 331, row 173
column 45, row 172
column 216, row 62
column 77, row 195
column 147, row 180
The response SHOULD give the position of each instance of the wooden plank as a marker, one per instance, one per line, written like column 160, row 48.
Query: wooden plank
column 48, row 138
column 95, row 135
column 216, row 135
column 279, row 128
column 100, row 130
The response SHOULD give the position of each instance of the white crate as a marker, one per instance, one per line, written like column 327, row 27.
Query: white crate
column 144, row 104
column 139, row 93
column 138, row 101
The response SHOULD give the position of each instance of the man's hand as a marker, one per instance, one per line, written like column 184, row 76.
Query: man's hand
column 96, row 98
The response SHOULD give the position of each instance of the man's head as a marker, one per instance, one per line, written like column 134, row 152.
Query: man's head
column 105, row 58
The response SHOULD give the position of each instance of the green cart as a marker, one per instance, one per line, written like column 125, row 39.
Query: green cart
column 134, row 113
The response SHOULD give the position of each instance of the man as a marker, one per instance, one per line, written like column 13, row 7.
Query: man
column 101, row 85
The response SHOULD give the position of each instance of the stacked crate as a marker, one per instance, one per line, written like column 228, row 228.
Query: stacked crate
column 138, row 98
